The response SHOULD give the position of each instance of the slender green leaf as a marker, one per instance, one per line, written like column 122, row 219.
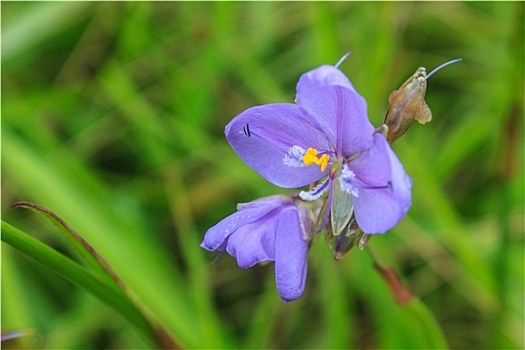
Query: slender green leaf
column 40, row 252
column 86, row 251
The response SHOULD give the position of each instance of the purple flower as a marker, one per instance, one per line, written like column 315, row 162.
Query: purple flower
column 326, row 138
column 274, row 228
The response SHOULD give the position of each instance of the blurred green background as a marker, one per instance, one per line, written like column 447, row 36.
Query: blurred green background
column 113, row 117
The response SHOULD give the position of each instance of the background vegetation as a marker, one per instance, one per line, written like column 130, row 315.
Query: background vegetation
column 113, row 117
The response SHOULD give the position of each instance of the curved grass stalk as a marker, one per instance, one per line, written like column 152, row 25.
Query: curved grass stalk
column 80, row 276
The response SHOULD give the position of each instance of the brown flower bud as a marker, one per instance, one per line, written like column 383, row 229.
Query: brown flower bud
column 406, row 104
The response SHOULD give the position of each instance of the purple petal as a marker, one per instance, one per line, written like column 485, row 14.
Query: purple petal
column 376, row 211
column 401, row 183
column 330, row 98
column 263, row 135
column 379, row 209
column 218, row 234
column 372, row 168
column 254, row 243
column 290, row 256
column 270, row 200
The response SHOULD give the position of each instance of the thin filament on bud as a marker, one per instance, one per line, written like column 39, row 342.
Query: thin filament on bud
column 341, row 60
column 442, row 66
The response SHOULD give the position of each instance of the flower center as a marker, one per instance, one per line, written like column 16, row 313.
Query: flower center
column 311, row 157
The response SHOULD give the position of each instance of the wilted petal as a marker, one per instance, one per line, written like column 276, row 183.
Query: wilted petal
column 328, row 96
column 218, row 234
column 385, row 197
column 290, row 256
column 263, row 135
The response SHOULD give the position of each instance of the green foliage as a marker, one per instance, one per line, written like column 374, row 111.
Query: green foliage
column 113, row 117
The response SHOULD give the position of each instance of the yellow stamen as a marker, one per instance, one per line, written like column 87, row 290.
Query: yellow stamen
column 311, row 158
column 324, row 161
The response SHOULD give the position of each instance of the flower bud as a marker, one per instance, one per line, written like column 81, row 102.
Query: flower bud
column 406, row 104
column 349, row 236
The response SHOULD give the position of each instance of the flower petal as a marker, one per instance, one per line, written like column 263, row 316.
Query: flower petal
column 218, row 234
column 265, row 201
column 401, row 183
column 291, row 261
column 376, row 211
column 329, row 97
column 263, row 135
column 379, row 209
column 372, row 167
column 255, row 242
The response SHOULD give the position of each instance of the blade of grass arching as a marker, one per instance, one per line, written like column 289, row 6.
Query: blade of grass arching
column 134, row 257
column 169, row 299
column 42, row 253
column 86, row 251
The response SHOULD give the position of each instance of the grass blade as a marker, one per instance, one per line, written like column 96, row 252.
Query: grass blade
column 75, row 273
column 88, row 253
